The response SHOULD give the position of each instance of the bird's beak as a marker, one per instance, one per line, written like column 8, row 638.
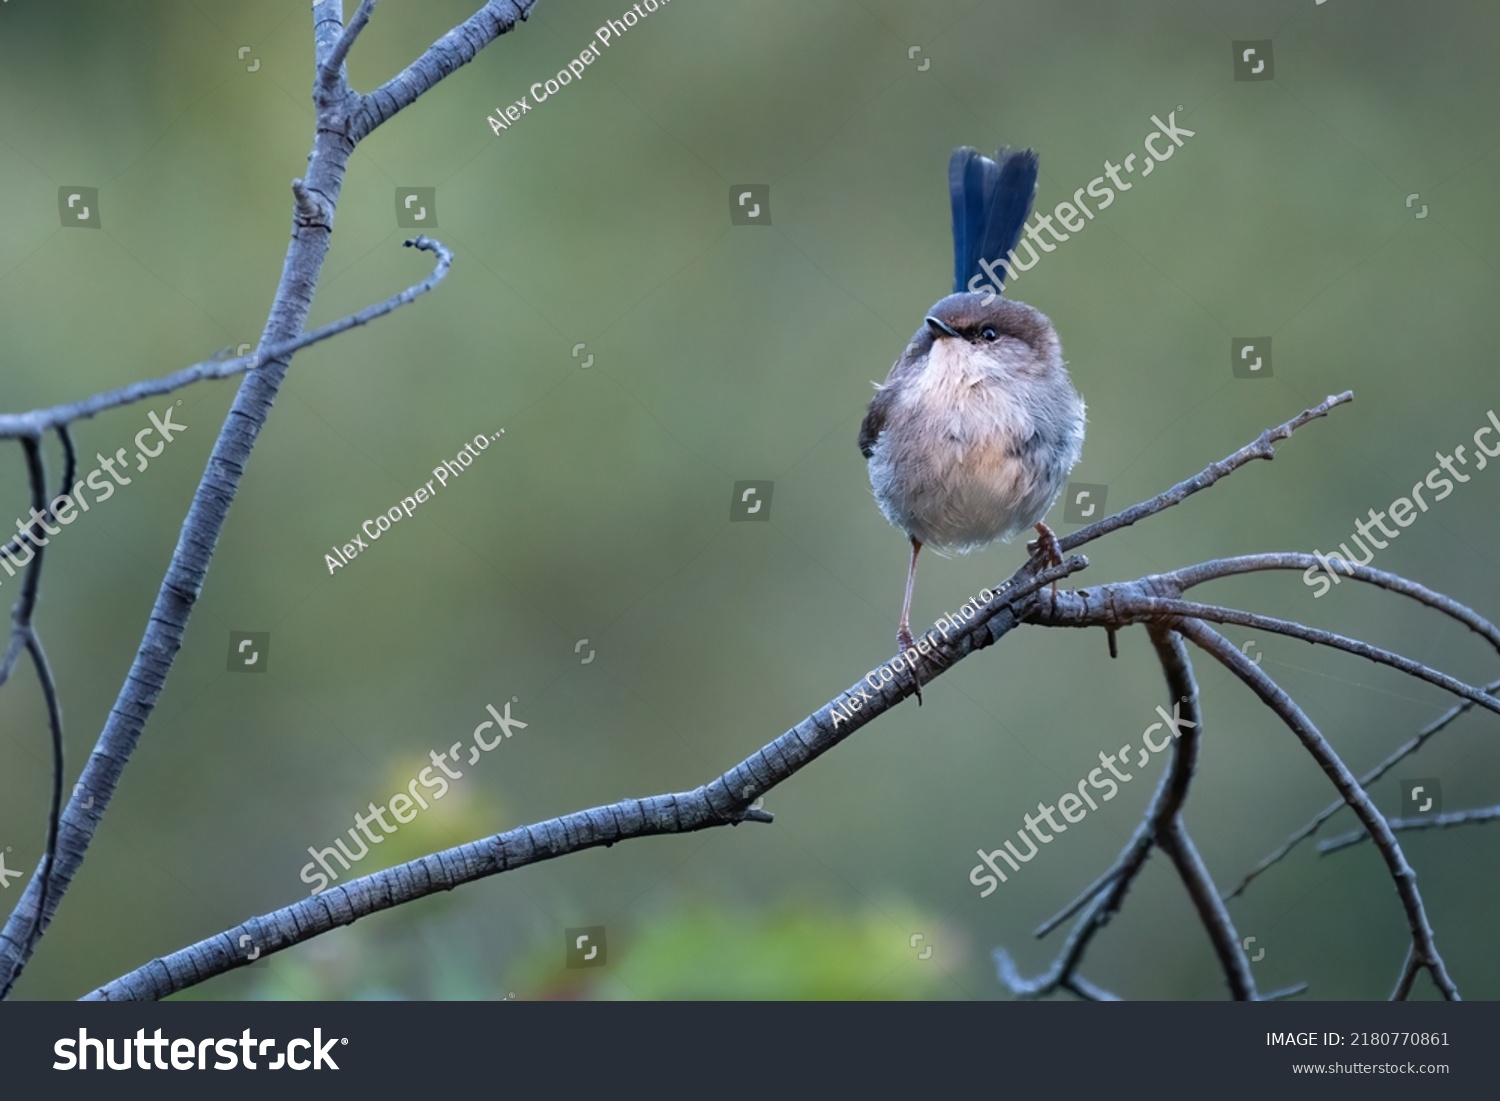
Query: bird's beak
column 940, row 327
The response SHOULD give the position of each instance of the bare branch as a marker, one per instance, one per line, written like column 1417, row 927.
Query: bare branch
column 341, row 120
column 1149, row 600
column 183, row 581
column 444, row 57
column 1479, row 815
column 21, row 425
column 1354, row 795
column 1111, row 606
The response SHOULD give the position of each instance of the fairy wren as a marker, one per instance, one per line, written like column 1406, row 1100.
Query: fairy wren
column 973, row 433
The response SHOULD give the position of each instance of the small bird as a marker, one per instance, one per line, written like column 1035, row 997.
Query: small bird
column 975, row 430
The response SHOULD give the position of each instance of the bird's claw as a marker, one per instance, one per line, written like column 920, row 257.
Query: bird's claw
column 1047, row 546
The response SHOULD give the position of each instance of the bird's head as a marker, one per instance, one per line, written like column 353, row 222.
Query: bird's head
column 1010, row 336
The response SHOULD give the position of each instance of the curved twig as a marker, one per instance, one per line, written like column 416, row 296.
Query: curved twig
column 1155, row 606
column 1191, row 576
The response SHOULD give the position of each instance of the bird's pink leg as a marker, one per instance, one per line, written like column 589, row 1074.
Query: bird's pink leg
column 903, row 632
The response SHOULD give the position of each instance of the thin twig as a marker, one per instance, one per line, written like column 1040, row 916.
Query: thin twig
column 54, row 810
column 1316, row 823
column 1112, row 605
column 1261, row 448
column 31, row 581
column 1478, row 815
column 330, row 68
column 23, row 635
column 1408, row 975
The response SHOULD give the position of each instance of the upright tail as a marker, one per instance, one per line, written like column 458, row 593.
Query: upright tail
column 991, row 202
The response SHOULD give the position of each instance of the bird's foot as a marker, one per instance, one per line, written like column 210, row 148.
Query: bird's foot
column 1047, row 547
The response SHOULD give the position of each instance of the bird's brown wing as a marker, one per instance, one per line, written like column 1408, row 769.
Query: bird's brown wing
column 874, row 421
column 885, row 395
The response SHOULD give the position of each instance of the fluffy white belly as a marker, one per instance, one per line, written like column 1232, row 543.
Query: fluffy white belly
column 948, row 467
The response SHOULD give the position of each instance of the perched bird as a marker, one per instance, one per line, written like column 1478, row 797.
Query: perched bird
column 972, row 435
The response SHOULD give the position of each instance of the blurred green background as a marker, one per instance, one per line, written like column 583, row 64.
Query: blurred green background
column 722, row 354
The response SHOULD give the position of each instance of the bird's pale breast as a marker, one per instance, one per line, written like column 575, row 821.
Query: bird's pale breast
column 951, row 467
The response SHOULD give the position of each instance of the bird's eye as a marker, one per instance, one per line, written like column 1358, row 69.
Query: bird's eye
column 987, row 333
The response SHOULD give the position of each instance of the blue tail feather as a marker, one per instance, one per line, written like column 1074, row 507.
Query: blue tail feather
column 991, row 202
